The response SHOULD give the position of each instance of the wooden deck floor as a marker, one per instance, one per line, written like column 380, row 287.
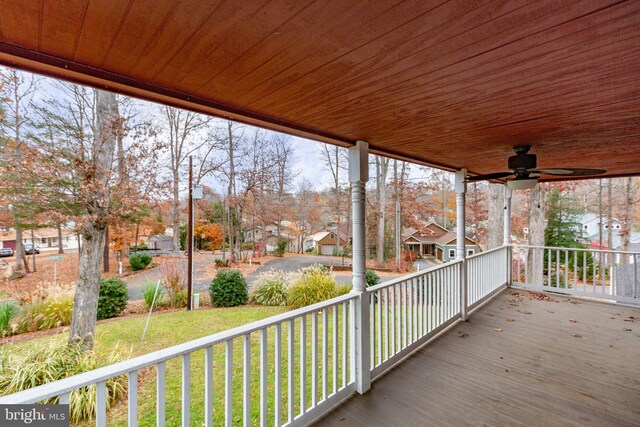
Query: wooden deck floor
column 517, row 361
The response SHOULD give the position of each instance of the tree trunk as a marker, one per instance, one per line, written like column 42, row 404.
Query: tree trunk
column 60, row 247
column 535, row 258
column 96, row 178
column 495, row 222
column 628, row 219
column 600, row 216
column 610, row 219
column 105, row 256
column 21, row 257
column 383, row 165
column 175, row 206
column 33, row 250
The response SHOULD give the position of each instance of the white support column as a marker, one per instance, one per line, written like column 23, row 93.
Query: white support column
column 507, row 232
column 358, row 176
column 461, row 252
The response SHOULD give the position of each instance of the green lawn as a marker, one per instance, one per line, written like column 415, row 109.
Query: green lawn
column 173, row 328
column 178, row 327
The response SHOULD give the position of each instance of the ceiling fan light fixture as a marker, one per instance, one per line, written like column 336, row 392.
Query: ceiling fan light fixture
column 522, row 184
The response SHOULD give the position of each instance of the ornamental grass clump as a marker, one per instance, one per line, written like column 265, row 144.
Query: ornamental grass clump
column 271, row 288
column 149, row 292
column 41, row 364
column 8, row 311
column 50, row 313
column 313, row 285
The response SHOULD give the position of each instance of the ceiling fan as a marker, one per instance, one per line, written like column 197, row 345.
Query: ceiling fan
column 522, row 167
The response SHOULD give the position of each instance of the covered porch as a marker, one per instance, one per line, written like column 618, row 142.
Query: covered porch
column 453, row 85
column 521, row 359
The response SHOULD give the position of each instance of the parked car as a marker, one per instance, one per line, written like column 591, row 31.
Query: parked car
column 30, row 249
column 6, row 252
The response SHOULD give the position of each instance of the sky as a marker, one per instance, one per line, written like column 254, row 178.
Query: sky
column 308, row 162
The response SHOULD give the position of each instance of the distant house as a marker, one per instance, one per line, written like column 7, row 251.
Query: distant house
column 435, row 241
column 269, row 235
column 329, row 242
column 43, row 238
column 590, row 224
column 161, row 242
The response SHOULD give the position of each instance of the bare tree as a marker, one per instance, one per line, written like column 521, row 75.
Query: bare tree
column 184, row 128
column 96, row 173
column 536, row 233
column 16, row 97
column 335, row 159
column 382, row 168
column 283, row 158
column 628, row 216
column 495, row 216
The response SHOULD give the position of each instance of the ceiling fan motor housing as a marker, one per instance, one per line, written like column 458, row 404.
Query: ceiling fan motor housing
column 521, row 162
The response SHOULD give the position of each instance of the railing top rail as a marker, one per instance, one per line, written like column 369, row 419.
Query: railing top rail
column 576, row 249
column 56, row 388
column 413, row 275
column 479, row 254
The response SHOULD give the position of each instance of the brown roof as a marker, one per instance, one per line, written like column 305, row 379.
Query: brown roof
column 453, row 85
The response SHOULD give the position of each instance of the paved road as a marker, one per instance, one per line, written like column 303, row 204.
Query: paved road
column 289, row 264
column 200, row 278
column 292, row 263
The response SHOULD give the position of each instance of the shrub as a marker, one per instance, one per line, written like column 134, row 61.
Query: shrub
column 179, row 299
column 173, row 278
column 139, row 261
column 51, row 313
column 113, row 297
column 228, row 289
column 42, row 364
column 315, row 269
column 271, row 288
column 372, row 278
column 313, row 286
column 149, row 291
column 8, row 311
column 281, row 247
column 342, row 290
column 219, row 263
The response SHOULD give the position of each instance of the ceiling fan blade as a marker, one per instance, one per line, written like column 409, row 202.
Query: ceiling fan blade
column 569, row 171
column 489, row 176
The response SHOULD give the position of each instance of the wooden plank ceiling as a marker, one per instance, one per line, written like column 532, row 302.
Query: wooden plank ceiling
column 446, row 83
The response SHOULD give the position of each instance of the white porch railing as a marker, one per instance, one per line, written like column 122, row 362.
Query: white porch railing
column 306, row 357
column 487, row 272
column 595, row 273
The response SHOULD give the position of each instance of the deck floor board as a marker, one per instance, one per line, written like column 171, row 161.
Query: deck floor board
column 517, row 361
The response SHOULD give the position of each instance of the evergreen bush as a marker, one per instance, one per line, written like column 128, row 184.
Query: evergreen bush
column 139, row 261
column 228, row 289
column 113, row 297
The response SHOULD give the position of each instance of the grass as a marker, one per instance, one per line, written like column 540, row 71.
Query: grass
column 177, row 327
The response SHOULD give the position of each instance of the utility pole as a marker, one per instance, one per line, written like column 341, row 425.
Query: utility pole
column 398, row 234
column 190, row 238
